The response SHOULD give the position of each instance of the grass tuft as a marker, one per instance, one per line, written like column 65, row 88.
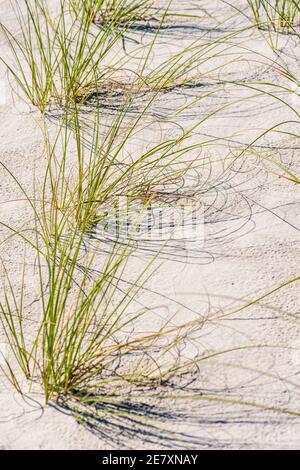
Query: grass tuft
column 56, row 61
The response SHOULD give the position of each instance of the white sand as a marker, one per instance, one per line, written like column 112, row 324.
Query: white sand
column 240, row 260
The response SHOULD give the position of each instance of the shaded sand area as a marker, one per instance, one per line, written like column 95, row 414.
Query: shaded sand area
column 244, row 391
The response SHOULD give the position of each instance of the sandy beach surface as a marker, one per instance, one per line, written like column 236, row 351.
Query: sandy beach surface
column 251, row 246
